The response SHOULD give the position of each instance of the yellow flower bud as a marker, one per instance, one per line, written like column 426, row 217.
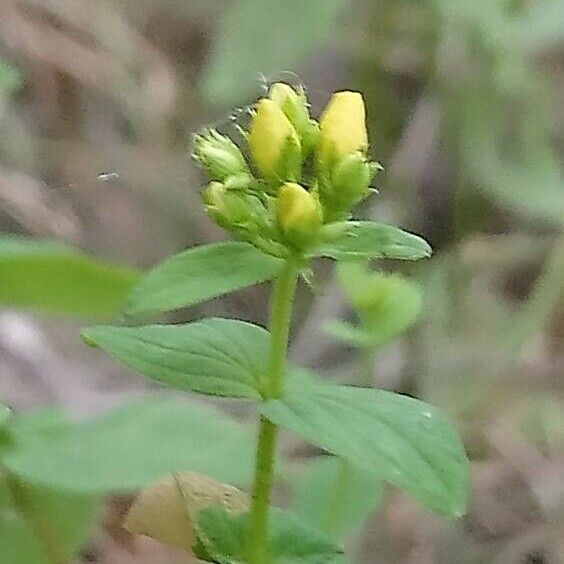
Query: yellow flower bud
column 295, row 106
column 280, row 92
column 299, row 216
column 342, row 128
column 274, row 143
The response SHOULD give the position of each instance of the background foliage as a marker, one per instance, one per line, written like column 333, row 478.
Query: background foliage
column 98, row 101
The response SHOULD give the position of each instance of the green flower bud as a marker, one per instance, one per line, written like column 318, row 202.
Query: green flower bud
column 274, row 143
column 299, row 216
column 295, row 106
column 348, row 182
column 235, row 211
column 219, row 155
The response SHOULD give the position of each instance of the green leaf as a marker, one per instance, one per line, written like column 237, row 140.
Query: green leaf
column 44, row 522
column 132, row 446
column 38, row 425
column 200, row 274
column 334, row 495
column 223, row 357
column 224, row 535
column 55, row 278
column 370, row 240
column 387, row 304
column 408, row 442
column 349, row 334
column 288, row 32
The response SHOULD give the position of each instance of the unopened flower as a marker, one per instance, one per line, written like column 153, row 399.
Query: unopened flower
column 348, row 182
column 233, row 210
column 295, row 106
column 219, row 155
column 274, row 143
column 299, row 216
column 342, row 128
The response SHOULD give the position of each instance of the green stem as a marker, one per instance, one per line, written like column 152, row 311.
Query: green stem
column 338, row 501
column 280, row 320
column 37, row 522
column 338, row 497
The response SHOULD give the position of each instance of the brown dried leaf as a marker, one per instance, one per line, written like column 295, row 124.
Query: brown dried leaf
column 165, row 511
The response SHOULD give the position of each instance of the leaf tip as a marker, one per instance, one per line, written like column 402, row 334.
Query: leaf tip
column 88, row 339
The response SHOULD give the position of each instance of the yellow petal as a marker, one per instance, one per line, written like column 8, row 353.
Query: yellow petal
column 270, row 129
column 343, row 126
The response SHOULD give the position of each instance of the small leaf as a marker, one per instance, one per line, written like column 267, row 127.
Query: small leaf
column 334, row 495
column 224, row 537
column 55, row 278
column 136, row 444
column 387, row 304
column 200, row 274
column 166, row 510
column 349, row 334
column 406, row 441
column 222, row 357
column 370, row 240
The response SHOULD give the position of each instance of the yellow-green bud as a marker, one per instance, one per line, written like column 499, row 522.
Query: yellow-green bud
column 274, row 143
column 219, row 155
column 232, row 210
column 295, row 106
column 299, row 216
column 342, row 129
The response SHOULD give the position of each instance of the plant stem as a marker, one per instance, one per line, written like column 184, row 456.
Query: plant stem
column 338, row 497
column 333, row 519
column 37, row 522
column 280, row 320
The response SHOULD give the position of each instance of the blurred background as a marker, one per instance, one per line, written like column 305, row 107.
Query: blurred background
column 99, row 100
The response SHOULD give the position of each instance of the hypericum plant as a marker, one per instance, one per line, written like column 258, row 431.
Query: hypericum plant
column 287, row 202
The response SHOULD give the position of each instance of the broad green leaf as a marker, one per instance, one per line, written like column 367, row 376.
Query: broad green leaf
column 34, row 427
column 134, row 445
column 45, row 525
column 370, row 240
column 406, row 441
column 223, row 357
column 38, row 425
column 224, row 536
column 200, row 274
column 387, row 304
column 55, row 278
column 288, row 32
column 335, row 496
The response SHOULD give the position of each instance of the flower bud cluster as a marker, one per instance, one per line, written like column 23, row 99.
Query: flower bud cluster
column 299, row 174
